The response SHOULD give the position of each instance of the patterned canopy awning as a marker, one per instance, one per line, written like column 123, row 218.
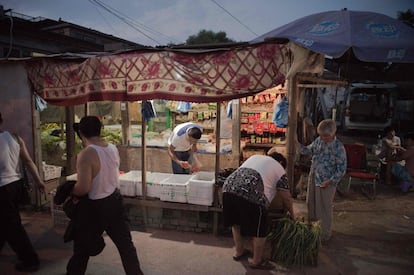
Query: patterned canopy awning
column 194, row 76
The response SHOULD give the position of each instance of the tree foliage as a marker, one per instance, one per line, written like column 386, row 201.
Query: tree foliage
column 208, row 37
column 407, row 17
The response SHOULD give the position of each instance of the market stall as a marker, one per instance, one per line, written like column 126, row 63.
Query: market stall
column 200, row 76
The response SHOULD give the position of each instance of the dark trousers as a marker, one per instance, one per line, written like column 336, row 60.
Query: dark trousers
column 183, row 156
column 11, row 228
column 92, row 218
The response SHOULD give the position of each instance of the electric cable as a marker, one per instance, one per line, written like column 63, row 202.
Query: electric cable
column 132, row 23
column 122, row 19
column 104, row 19
column 234, row 17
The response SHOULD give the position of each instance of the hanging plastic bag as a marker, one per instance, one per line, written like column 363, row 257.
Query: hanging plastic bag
column 195, row 163
column 40, row 103
column 183, row 106
column 281, row 113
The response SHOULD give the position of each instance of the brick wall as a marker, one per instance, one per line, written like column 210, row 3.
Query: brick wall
column 172, row 219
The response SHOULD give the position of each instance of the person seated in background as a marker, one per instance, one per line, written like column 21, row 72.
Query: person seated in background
column 391, row 145
column 404, row 173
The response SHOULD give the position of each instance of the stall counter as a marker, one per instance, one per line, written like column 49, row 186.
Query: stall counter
column 159, row 161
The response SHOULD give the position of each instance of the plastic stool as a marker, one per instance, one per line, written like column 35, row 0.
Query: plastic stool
column 406, row 185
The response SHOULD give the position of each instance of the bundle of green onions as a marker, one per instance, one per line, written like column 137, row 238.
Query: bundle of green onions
column 294, row 242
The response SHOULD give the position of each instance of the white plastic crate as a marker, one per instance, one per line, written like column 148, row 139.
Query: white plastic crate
column 51, row 171
column 175, row 188
column 153, row 183
column 130, row 183
column 73, row 177
column 201, row 188
column 58, row 215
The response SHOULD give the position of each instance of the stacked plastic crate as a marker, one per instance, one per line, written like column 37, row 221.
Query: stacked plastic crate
column 201, row 188
column 175, row 188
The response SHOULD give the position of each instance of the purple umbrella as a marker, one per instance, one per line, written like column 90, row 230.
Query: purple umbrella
column 373, row 37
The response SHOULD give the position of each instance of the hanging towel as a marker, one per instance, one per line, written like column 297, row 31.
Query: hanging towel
column 40, row 104
column 147, row 110
column 230, row 109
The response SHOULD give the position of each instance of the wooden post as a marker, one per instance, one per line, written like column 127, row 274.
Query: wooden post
column 70, row 140
column 144, row 164
column 236, row 133
column 125, row 123
column 37, row 150
column 218, row 134
column 291, row 130
column 217, row 167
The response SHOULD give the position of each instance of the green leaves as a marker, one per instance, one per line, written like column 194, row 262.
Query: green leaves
column 295, row 243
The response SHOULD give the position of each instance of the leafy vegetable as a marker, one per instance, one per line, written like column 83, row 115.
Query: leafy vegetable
column 295, row 243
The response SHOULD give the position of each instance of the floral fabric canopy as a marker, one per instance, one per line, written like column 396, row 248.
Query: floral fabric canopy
column 194, row 76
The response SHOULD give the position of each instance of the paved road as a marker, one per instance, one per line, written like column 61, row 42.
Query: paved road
column 359, row 229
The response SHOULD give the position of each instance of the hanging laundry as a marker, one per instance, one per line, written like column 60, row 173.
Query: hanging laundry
column 147, row 110
column 40, row 103
column 229, row 113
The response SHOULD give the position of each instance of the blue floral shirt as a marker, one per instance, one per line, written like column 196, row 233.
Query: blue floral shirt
column 328, row 160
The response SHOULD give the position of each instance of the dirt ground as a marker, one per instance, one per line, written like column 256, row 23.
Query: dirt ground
column 373, row 236
column 392, row 210
column 370, row 236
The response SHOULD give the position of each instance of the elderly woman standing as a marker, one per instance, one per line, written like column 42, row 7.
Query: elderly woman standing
column 327, row 169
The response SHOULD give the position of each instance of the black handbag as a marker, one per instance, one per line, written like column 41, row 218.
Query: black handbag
column 25, row 189
column 69, row 207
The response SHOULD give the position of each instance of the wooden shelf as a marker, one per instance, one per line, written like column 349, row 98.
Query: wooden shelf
column 261, row 145
column 257, row 111
column 203, row 110
column 140, row 201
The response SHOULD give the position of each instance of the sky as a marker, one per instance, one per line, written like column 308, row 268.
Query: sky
column 159, row 22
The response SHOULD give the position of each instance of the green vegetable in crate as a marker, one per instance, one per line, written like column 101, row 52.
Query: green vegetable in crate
column 295, row 243
column 112, row 136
